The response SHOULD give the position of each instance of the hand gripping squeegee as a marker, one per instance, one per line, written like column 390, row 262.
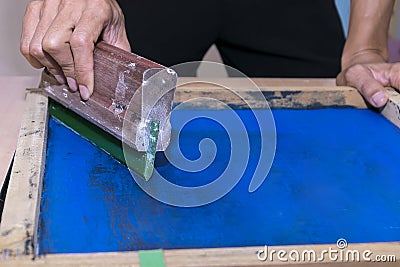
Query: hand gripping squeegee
column 129, row 108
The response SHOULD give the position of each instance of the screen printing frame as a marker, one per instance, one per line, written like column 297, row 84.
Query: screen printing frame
column 19, row 223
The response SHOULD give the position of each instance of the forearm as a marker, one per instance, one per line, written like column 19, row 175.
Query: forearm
column 368, row 32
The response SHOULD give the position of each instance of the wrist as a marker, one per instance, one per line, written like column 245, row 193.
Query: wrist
column 365, row 56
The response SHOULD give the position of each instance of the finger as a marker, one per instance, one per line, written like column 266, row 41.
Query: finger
column 394, row 75
column 374, row 92
column 48, row 13
column 121, row 41
column 29, row 24
column 56, row 42
column 85, row 35
column 369, row 82
column 117, row 36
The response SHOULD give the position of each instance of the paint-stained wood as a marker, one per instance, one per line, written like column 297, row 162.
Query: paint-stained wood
column 392, row 110
column 280, row 93
column 247, row 256
column 264, row 82
column 18, row 226
column 12, row 100
column 223, row 257
column 118, row 75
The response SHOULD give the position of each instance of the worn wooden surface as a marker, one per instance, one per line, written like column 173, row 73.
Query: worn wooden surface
column 18, row 226
column 220, row 257
column 118, row 75
column 280, row 93
column 12, row 100
column 392, row 110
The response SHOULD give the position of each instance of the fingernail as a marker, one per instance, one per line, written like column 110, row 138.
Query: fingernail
column 59, row 78
column 379, row 99
column 84, row 92
column 72, row 84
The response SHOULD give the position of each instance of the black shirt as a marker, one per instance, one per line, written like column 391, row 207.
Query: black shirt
column 262, row 38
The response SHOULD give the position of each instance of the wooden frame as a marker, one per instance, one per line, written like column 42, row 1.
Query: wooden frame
column 18, row 227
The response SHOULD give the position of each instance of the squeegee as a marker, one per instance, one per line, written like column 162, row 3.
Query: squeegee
column 127, row 115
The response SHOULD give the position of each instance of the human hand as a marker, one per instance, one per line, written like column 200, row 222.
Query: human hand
column 61, row 34
column 370, row 74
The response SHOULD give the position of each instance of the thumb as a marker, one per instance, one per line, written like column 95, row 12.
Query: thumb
column 367, row 81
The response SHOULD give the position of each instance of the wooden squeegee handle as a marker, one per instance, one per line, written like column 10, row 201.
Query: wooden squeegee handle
column 118, row 74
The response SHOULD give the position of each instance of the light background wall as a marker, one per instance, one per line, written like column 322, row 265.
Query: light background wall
column 11, row 62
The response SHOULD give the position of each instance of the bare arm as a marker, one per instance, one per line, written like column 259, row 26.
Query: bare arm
column 365, row 53
column 368, row 32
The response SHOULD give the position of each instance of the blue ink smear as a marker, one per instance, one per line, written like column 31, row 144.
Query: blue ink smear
column 335, row 175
